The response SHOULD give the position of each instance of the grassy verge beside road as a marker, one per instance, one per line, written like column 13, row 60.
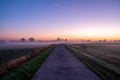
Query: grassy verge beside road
column 17, row 58
column 27, row 70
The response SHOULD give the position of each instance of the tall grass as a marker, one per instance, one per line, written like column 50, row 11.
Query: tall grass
column 6, row 67
column 28, row 69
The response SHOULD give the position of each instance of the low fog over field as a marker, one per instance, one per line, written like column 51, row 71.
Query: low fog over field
column 23, row 45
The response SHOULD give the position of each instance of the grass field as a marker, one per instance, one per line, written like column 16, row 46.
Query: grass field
column 109, row 52
column 106, row 57
column 14, row 50
column 11, row 58
column 6, row 55
column 27, row 70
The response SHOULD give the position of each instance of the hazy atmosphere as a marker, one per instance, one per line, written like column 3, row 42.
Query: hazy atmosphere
column 59, row 39
column 49, row 19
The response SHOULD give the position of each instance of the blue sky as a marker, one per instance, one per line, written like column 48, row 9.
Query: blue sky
column 49, row 19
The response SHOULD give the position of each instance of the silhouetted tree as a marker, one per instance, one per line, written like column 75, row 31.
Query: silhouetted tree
column 22, row 40
column 104, row 40
column 31, row 39
column 58, row 39
column 66, row 40
column 88, row 40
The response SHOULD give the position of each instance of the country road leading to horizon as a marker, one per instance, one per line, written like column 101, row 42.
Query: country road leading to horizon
column 63, row 65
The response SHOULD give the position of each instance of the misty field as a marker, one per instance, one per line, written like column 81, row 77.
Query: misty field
column 28, row 68
column 14, row 50
column 104, row 57
column 12, row 55
column 109, row 52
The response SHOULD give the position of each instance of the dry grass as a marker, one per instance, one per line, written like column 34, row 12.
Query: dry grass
column 95, row 58
column 108, row 53
column 13, row 63
column 28, row 69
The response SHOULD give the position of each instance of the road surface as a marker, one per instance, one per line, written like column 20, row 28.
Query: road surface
column 63, row 65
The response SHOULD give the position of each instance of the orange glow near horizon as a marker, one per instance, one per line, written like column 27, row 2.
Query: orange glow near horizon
column 48, row 20
column 69, row 37
column 71, row 33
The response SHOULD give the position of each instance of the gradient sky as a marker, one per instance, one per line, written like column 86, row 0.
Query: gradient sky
column 49, row 19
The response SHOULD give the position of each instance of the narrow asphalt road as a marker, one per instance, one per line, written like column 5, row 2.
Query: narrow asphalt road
column 63, row 65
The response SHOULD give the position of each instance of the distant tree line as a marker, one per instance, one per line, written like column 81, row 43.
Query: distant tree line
column 24, row 40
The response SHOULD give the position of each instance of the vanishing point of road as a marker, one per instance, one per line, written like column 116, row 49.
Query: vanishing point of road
column 63, row 65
